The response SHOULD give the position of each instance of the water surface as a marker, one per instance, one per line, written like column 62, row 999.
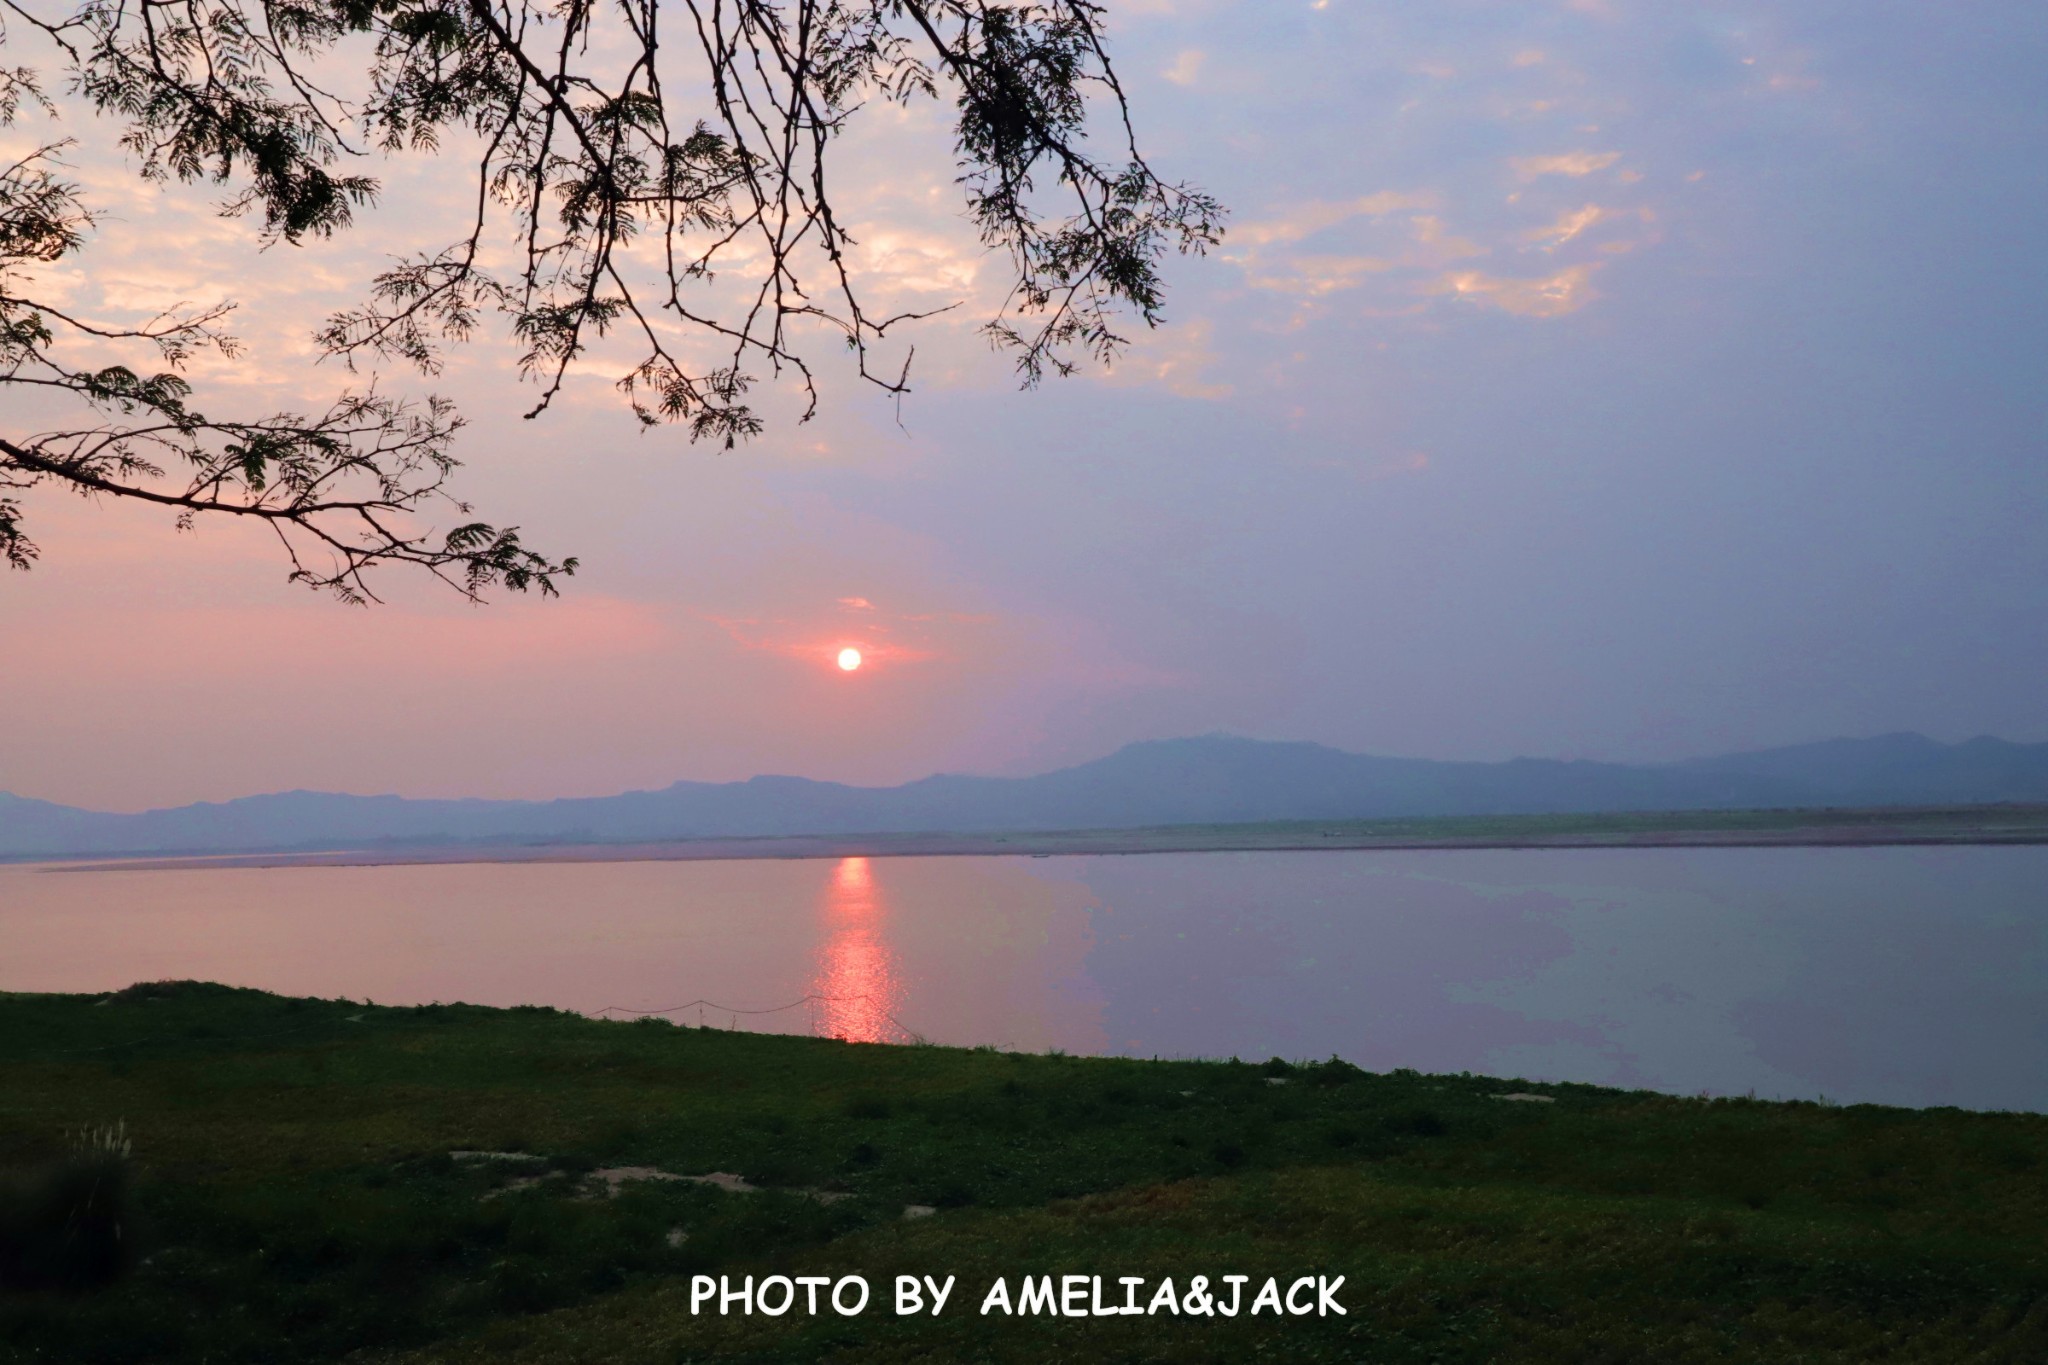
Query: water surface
column 1891, row 975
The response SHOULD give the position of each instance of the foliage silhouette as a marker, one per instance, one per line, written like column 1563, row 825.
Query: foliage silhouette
column 602, row 209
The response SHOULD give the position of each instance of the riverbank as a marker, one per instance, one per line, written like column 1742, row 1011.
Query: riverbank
column 1857, row 828
column 451, row 1183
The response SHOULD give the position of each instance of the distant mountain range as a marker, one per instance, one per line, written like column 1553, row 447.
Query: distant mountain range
column 1211, row 780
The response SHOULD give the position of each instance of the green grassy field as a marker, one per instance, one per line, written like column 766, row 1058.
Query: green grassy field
column 296, row 1197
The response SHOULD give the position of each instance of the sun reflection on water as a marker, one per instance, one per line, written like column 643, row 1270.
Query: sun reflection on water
column 858, row 979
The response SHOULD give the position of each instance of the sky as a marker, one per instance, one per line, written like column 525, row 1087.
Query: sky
column 1597, row 379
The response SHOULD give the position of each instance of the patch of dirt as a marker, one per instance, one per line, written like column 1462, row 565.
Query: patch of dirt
column 612, row 1178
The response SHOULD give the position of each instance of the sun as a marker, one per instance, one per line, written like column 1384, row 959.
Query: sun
column 849, row 659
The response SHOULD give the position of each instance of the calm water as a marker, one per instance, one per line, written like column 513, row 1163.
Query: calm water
column 1900, row 976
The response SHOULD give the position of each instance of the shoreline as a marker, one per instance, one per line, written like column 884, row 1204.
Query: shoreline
column 1919, row 827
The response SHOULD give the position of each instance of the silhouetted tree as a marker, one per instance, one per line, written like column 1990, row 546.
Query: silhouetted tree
column 631, row 151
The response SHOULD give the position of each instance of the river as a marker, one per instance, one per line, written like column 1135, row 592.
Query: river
column 1912, row 976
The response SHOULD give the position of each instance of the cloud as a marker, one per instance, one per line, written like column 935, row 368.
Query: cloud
column 1551, row 296
column 1187, row 67
column 904, row 258
column 1432, row 259
column 1792, row 80
column 1316, row 275
column 1438, row 243
column 1269, row 266
column 1177, row 358
column 1313, row 216
column 1568, row 226
column 1564, row 163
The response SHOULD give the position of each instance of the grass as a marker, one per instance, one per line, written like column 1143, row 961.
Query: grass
column 294, row 1198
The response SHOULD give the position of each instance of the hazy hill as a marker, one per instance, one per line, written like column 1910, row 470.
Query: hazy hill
column 1215, row 779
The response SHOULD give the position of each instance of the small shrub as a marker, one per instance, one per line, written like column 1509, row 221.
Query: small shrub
column 1336, row 1071
column 72, row 1225
column 1418, row 1123
column 169, row 990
